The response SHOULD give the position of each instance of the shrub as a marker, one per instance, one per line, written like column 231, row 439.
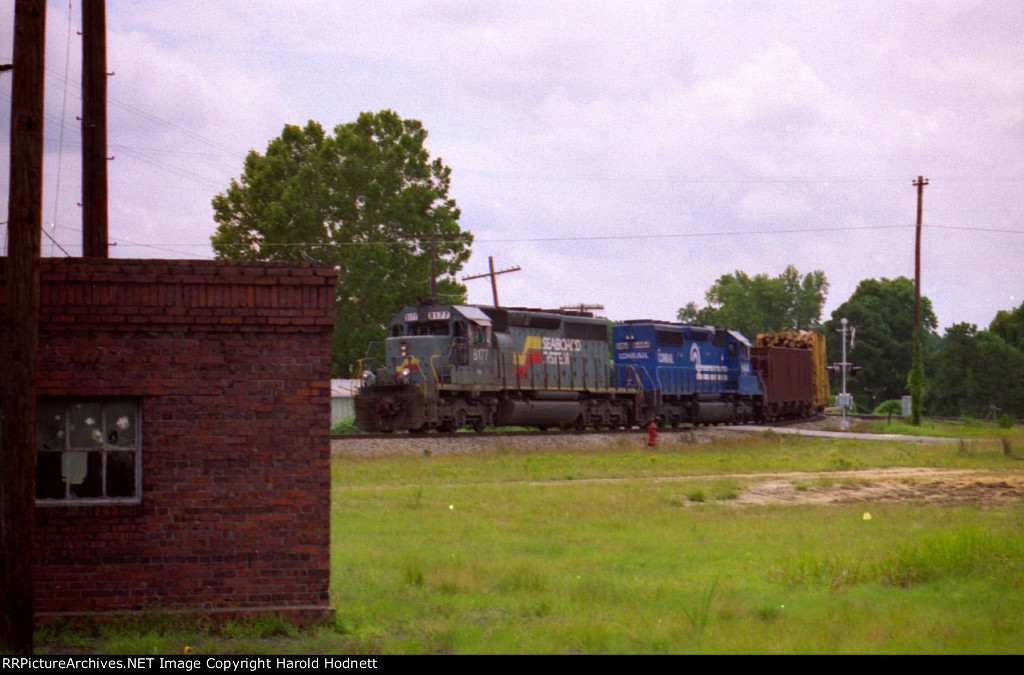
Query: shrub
column 891, row 407
column 345, row 426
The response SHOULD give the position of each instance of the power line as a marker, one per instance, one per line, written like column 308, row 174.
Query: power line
column 973, row 229
column 476, row 240
column 60, row 142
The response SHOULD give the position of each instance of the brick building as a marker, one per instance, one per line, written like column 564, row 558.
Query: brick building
column 183, row 457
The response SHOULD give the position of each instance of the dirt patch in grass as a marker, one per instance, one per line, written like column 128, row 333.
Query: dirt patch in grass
column 907, row 485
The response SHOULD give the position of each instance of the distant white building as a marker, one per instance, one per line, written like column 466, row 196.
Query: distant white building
column 342, row 399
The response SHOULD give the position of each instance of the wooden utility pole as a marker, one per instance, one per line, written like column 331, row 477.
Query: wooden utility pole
column 492, row 274
column 916, row 379
column 433, row 267
column 94, row 129
column 21, row 331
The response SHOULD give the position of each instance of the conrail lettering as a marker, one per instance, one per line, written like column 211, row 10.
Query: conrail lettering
column 632, row 356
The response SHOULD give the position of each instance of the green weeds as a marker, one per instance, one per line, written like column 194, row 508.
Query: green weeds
column 701, row 614
column 961, row 553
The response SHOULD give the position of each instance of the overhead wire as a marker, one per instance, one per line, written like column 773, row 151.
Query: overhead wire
column 622, row 237
column 519, row 175
column 139, row 154
column 60, row 142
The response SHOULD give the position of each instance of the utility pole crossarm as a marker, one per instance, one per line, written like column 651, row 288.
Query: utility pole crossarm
column 492, row 274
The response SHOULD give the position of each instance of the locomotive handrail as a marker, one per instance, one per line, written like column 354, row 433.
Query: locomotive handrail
column 447, row 367
column 643, row 376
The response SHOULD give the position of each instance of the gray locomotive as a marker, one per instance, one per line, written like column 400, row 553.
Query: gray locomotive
column 448, row 367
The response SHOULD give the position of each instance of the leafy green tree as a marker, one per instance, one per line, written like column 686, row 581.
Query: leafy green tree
column 369, row 200
column 762, row 304
column 949, row 369
column 882, row 312
column 975, row 373
column 1010, row 327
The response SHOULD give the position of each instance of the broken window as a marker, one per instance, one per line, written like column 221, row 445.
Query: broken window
column 87, row 449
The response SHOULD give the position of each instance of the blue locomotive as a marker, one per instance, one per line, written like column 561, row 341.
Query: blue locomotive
column 689, row 374
column 448, row 367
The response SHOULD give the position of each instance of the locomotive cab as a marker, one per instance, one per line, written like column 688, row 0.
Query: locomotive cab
column 428, row 342
column 740, row 377
column 426, row 347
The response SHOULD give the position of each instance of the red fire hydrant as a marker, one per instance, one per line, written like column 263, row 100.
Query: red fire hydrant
column 652, row 434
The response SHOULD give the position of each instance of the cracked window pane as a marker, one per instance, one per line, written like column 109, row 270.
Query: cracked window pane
column 86, row 425
column 50, row 425
column 120, row 421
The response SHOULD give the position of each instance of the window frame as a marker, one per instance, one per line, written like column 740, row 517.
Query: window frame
column 102, row 447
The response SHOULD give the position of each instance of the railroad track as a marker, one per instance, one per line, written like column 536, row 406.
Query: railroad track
column 526, row 433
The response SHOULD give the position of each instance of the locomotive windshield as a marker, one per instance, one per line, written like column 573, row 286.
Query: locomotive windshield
column 457, row 322
column 428, row 328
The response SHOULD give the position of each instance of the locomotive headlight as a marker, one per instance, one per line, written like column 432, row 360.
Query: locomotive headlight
column 404, row 349
column 405, row 371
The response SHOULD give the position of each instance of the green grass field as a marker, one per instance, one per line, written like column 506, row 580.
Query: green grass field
column 625, row 549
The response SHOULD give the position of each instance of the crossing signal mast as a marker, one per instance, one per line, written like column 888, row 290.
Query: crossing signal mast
column 844, row 399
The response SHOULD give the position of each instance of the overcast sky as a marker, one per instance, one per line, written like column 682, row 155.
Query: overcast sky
column 622, row 153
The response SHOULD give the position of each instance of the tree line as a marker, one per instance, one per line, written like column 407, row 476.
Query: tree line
column 370, row 199
column 968, row 372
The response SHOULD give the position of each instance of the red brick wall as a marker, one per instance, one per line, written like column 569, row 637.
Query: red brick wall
column 231, row 363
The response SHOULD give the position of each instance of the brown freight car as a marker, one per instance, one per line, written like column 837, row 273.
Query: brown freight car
column 787, row 378
column 805, row 339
